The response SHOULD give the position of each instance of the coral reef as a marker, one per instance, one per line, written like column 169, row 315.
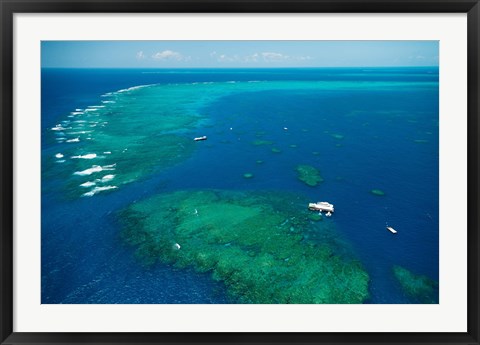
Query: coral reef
column 309, row 175
column 377, row 192
column 131, row 135
column 418, row 287
column 338, row 136
column 254, row 243
column 315, row 217
column 262, row 142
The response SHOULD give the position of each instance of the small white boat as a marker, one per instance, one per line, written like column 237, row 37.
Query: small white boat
column 200, row 138
column 321, row 206
column 392, row 230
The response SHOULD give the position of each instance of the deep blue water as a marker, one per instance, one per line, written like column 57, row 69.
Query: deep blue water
column 389, row 142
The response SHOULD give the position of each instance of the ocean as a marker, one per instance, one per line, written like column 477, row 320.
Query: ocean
column 113, row 138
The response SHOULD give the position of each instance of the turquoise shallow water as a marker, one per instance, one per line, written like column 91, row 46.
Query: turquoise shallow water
column 106, row 147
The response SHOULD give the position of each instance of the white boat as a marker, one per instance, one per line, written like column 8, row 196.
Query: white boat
column 200, row 138
column 321, row 206
column 392, row 230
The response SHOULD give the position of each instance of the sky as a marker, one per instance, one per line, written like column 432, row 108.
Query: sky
column 237, row 54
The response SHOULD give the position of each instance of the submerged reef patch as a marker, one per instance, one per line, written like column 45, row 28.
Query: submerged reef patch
column 377, row 192
column 309, row 175
column 315, row 217
column 262, row 142
column 255, row 243
column 418, row 287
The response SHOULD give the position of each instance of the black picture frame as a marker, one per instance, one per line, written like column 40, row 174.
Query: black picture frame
column 10, row 7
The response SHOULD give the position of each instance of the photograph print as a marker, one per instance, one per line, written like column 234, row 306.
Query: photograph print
column 240, row 172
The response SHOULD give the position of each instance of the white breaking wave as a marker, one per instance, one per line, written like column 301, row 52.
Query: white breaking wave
column 110, row 167
column 87, row 156
column 93, row 169
column 107, row 178
column 76, row 140
column 134, row 88
column 58, row 128
column 87, row 184
column 58, row 155
column 108, row 102
column 80, row 132
column 98, row 190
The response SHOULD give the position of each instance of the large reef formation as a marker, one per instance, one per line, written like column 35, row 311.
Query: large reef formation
column 420, row 288
column 257, row 244
column 131, row 135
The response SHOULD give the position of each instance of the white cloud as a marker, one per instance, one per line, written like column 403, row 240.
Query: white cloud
column 275, row 57
column 170, row 55
column 270, row 56
column 141, row 55
column 304, row 58
column 416, row 57
column 257, row 57
column 252, row 58
column 227, row 58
